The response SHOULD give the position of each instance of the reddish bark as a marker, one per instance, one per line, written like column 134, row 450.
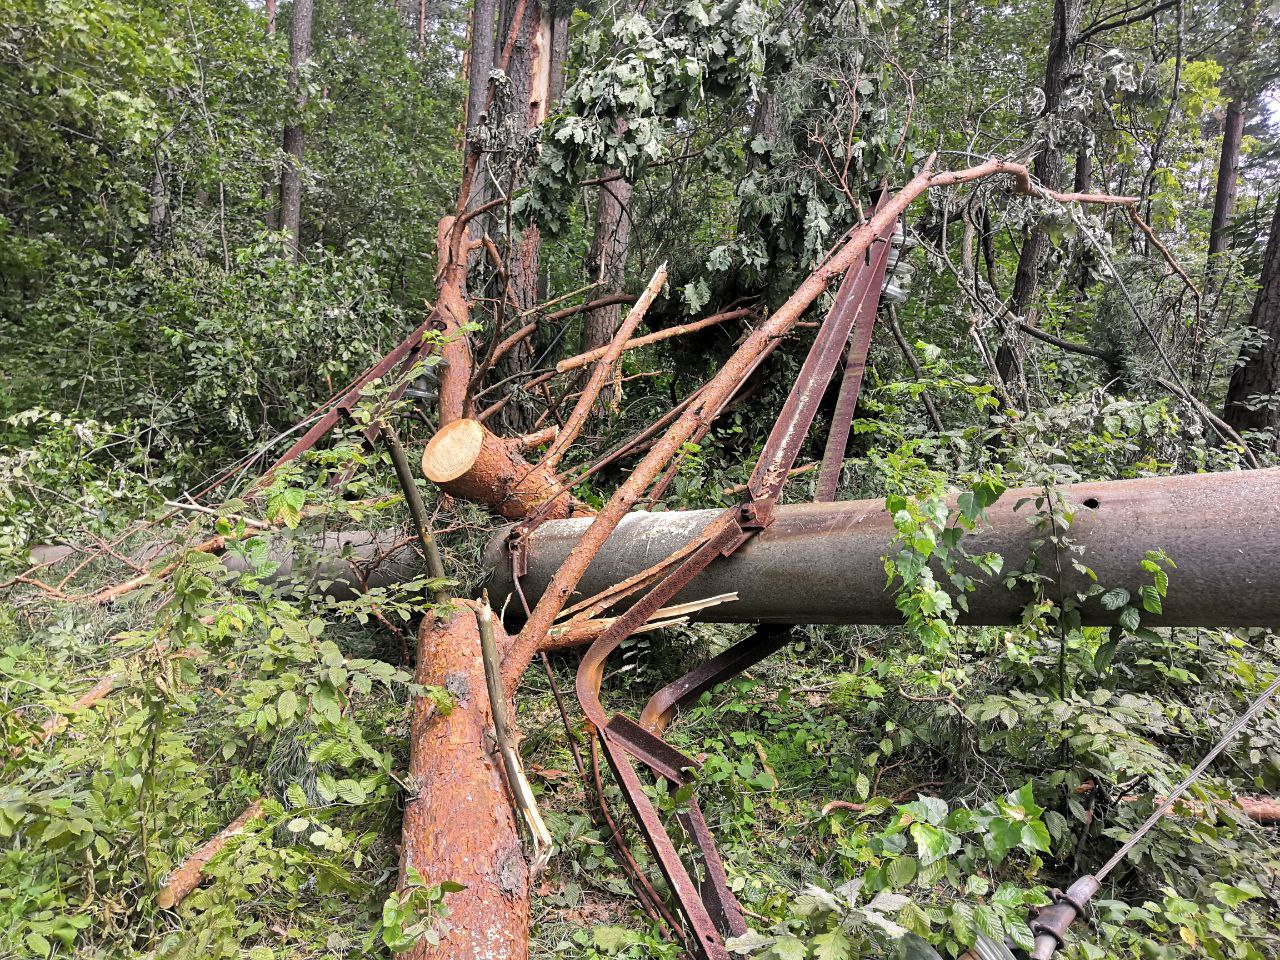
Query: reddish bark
column 459, row 824
column 179, row 883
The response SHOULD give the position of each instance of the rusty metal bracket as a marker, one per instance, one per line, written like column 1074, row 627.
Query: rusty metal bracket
column 708, row 905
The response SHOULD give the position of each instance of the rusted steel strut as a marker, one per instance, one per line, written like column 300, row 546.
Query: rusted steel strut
column 707, row 903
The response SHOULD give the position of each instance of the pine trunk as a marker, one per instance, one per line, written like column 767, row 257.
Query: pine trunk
column 458, row 823
column 294, row 132
column 1224, row 197
column 1047, row 167
column 1253, row 398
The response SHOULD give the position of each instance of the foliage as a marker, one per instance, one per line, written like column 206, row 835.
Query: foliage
column 873, row 789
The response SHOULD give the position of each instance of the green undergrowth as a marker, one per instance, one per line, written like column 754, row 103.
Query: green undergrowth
column 867, row 786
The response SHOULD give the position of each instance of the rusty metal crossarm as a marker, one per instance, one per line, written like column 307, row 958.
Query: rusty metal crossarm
column 711, row 907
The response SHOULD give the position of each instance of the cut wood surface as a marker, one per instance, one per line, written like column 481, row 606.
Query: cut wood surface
column 468, row 461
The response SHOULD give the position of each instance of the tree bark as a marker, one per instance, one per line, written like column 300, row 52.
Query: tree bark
column 530, row 76
column 608, row 259
column 459, row 823
column 479, row 62
column 1252, row 402
column 1047, row 166
column 1224, row 197
column 294, row 132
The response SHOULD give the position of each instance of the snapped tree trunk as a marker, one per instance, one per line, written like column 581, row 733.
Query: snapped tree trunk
column 294, row 132
column 1047, row 168
column 1253, row 398
column 530, row 72
column 1224, row 197
column 459, row 824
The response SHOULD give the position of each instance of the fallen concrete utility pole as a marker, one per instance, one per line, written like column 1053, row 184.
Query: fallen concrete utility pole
column 822, row 562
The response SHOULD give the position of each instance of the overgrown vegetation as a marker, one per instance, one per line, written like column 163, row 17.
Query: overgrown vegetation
column 869, row 785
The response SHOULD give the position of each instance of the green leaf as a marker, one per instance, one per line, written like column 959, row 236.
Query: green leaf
column 989, row 921
column 351, row 792
column 832, row 945
column 932, row 843
column 1035, row 836
column 287, row 705
column 327, row 787
column 902, row 871
column 1130, row 619
column 613, row 939
column 789, row 948
column 1115, row 598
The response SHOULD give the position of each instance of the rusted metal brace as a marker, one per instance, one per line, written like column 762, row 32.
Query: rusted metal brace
column 404, row 355
column 709, row 905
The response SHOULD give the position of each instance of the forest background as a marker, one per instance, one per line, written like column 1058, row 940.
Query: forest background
column 214, row 215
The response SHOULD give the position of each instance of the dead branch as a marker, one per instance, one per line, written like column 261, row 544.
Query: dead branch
column 57, row 723
column 600, row 374
column 212, row 545
column 582, row 359
column 525, row 331
column 179, row 883
column 517, row 783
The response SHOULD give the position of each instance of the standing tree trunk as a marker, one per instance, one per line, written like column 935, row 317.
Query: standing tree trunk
column 1253, row 398
column 530, row 73
column 1047, row 167
column 608, row 259
column 294, row 132
column 1224, row 197
column 272, row 216
column 479, row 62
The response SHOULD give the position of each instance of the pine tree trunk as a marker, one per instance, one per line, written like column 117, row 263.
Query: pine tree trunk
column 458, row 823
column 1047, row 167
column 294, row 132
column 479, row 60
column 530, row 74
column 608, row 259
column 1224, row 197
column 1253, row 398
